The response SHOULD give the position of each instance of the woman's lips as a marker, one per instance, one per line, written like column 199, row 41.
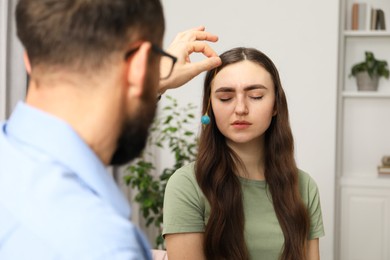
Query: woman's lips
column 241, row 124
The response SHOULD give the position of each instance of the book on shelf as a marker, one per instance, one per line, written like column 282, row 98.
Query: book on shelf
column 380, row 20
column 359, row 16
column 374, row 13
column 384, row 169
column 362, row 16
column 355, row 16
column 365, row 17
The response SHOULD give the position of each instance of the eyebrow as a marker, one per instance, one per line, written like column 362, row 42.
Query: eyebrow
column 248, row 88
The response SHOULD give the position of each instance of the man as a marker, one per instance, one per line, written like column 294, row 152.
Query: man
column 95, row 77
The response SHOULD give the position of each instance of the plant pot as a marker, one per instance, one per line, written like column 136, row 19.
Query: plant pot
column 365, row 82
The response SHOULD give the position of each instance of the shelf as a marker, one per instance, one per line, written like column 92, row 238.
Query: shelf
column 349, row 33
column 365, row 94
column 381, row 181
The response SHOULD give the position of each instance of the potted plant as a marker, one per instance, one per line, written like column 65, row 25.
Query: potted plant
column 368, row 72
column 170, row 130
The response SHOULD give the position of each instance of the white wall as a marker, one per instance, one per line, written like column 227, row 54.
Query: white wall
column 17, row 76
column 12, row 72
column 302, row 39
column 3, row 60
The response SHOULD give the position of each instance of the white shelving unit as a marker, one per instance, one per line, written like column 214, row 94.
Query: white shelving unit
column 354, row 94
column 363, row 137
column 350, row 33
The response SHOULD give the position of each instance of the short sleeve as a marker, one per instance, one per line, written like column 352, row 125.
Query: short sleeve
column 315, row 213
column 183, row 204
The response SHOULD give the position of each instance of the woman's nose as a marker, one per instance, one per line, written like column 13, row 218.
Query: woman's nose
column 241, row 107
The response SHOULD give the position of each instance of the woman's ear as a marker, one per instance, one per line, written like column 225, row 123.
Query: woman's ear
column 27, row 63
column 275, row 112
column 137, row 70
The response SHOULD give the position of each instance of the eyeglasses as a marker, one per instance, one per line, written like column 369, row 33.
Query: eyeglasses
column 167, row 59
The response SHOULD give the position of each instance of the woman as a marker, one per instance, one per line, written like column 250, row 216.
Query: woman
column 244, row 197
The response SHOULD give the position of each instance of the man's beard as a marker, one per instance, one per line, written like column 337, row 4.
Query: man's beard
column 135, row 132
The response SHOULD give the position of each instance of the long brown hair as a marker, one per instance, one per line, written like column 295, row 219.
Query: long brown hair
column 216, row 168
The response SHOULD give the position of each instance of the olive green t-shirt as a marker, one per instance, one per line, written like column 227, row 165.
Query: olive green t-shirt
column 187, row 210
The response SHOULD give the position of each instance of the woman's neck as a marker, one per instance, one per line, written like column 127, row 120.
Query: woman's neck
column 252, row 158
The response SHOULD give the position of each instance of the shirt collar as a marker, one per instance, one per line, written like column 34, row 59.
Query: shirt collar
column 57, row 139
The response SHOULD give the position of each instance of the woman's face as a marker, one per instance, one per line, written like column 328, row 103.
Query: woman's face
column 243, row 98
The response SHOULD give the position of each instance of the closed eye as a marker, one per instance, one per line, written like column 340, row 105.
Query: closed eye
column 225, row 99
column 257, row 98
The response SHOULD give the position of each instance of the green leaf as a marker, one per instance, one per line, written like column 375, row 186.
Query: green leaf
column 188, row 133
column 167, row 120
column 171, row 129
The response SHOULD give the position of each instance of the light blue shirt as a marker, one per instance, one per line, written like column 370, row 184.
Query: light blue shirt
column 57, row 200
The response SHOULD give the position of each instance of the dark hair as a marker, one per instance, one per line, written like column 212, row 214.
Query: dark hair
column 216, row 168
column 83, row 33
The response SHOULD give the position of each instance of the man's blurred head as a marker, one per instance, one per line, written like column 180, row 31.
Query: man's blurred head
column 88, row 37
column 84, row 34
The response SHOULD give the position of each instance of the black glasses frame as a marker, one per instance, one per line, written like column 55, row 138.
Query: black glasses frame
column 157, row 50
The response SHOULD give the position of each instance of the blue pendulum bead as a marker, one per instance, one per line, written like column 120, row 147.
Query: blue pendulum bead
column 205, row 119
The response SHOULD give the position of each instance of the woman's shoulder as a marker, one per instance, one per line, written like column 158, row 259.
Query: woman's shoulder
column 305, row 179
column 184, row 176
column 307, row 185
column 186, row 171
column 183, row 184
